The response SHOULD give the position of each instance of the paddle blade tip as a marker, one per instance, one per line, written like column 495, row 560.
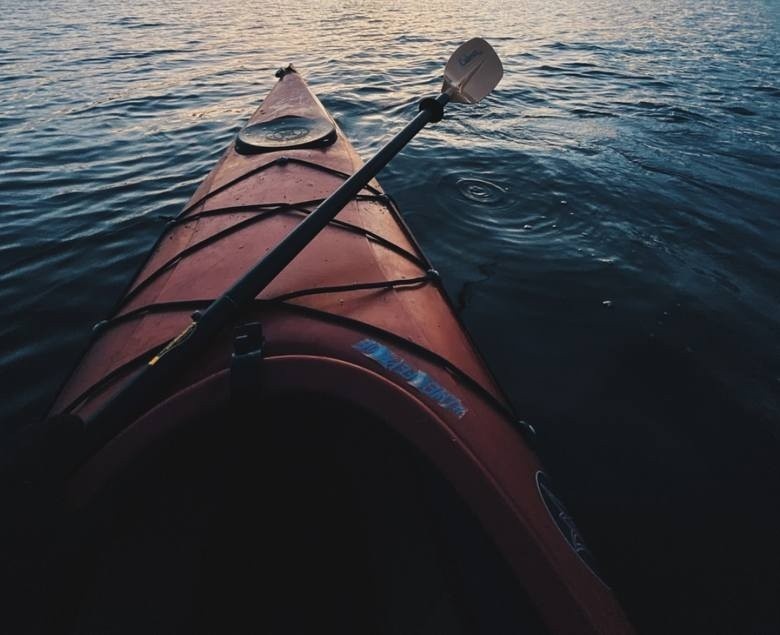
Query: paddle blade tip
column 472, row 72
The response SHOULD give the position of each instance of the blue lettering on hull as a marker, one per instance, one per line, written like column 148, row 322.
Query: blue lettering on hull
column 414, row 377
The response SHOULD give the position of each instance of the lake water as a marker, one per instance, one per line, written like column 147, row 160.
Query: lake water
column 608, row 222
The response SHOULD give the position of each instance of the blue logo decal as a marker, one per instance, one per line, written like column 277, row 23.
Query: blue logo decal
column 414, row 377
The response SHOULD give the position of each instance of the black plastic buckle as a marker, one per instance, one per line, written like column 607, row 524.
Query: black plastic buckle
column 248, row 342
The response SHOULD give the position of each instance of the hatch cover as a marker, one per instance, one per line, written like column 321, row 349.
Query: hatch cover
column 282, row 133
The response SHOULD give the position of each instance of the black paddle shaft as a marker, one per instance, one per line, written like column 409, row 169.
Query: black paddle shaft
column 151, row 384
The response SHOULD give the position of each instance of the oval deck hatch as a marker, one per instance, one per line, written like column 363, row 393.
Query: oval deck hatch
column 288, row 131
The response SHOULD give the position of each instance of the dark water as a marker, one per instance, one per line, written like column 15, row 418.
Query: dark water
column 607, row 221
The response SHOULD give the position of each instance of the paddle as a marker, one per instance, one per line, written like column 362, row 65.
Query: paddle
column 472, row 72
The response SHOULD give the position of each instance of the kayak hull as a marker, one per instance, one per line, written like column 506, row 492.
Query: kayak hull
column 360, row 317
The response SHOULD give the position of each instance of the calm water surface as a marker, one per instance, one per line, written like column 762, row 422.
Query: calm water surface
column 607, row 223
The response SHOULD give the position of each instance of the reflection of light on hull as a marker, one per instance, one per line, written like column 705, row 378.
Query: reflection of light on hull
column 565, row 524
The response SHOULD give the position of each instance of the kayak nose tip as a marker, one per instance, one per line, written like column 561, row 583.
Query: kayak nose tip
column 285, row 70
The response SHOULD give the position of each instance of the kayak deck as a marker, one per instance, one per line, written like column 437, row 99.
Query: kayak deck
column 244, row 207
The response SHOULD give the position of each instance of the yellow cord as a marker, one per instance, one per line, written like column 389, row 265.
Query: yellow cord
column 174, row 342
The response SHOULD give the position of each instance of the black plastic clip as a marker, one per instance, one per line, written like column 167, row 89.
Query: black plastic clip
column 248, row 342
column 435, row 107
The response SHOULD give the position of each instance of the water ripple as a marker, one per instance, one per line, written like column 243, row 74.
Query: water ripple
column 482, row 192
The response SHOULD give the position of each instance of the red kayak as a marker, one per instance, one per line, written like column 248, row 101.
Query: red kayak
column 340, row 458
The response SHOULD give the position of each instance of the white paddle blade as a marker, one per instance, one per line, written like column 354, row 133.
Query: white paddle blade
column 472, row 72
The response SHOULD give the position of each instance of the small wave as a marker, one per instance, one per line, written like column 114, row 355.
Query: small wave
column 574, row 46
column 636, row 51
column 739, row 110
column 769, row 90
column 681, row 115
column 657, row 83
column 587, row 113
column 412, row 38
column 113, row 56
column 648, row 105
column 10, row 121
column 148, row 103
column 146, row 25
column 550, row 69
column 661, row 111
